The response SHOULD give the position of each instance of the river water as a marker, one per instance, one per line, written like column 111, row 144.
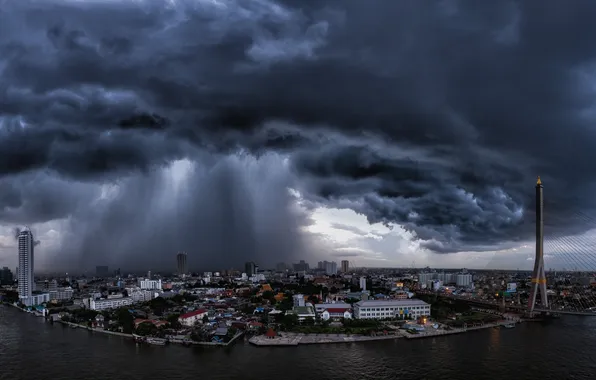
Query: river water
column 564, row 349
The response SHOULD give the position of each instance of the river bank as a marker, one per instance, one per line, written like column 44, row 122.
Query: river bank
column 295, row 339
column 131, row 336
column 435, row 333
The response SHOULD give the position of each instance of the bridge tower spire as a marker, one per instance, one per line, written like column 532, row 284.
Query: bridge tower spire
column 539, row 275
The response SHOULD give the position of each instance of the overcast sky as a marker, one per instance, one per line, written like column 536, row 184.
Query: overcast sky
column 388, row 133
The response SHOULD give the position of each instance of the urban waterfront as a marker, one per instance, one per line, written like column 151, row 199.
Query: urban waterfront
column 31, row 348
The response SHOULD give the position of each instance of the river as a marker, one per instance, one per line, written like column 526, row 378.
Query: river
column 564, row 349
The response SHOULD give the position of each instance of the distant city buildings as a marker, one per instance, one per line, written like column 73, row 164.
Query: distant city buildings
column 302, row 266
column 147, row 284
column 281, row 267
column 250, row 268
column 345, row 266
column 6, row 277
column 436, row 280
column 181, row 263
column 330, row 267
column 26, row 264
column 363, row 283
column 102, row 271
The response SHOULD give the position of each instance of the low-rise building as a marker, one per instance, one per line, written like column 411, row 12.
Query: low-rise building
column 35, row 299
column 61, row 294
column 321, row 307
column 336, row 313
column 403, row 309
column 193, row 317
column 110, row 303
column 304, row 312
column 150, row 284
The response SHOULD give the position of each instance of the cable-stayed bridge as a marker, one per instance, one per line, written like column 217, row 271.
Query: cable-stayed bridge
column 569, row 291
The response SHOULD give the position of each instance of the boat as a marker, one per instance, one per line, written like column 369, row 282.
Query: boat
column 156, row 341
column 509, row 326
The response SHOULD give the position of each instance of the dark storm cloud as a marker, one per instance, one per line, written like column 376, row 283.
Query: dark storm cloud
column 217, row 213
column 435, row 115
column 345, row 227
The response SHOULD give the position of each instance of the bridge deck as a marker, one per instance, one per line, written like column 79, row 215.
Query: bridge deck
column 520, row 307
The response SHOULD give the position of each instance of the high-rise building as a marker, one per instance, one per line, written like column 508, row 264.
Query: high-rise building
column 6, row 276
column 463, row 280
column 102, row 271
column 181, row 263
column 250, row 268
column 363, row 283
column 26, row 263
column 330, row 267
column 281, row 267
column 345, row 266
column 302, row 266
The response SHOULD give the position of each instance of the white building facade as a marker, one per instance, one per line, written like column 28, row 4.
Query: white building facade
column 464, row 280
column 61, row 294
column 192, row 318
column 147, row 284
column 26, row 263
column 298, row 300
column 381, row 309
column 110, row 303
column 36, row 299
column 363, row 283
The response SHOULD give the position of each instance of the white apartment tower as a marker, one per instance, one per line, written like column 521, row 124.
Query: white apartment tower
column 25, row 275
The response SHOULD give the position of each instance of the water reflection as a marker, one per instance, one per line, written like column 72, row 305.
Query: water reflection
column 563, row 349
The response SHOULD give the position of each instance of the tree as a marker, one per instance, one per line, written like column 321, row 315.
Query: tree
column 269, row 295
column 173, row 321
column 125, row 320
column 146, row 328
column 289, row 320
column 313, row 299
column 352, row 301
column 10, row 296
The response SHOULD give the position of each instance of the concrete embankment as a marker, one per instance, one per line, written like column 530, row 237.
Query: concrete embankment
column 292, row 339
column 435, row 333
column 239, row 334
column 102, row 331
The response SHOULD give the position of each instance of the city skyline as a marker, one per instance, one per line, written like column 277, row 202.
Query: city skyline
column 332, row 129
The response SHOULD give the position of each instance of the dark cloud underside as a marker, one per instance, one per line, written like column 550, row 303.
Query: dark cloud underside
column 434, row 115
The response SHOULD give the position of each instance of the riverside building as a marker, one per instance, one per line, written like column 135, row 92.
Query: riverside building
column 382, row 309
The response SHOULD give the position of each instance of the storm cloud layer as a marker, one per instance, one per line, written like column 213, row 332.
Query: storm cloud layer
column 433, row 115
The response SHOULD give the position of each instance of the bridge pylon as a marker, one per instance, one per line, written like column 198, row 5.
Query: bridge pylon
column 539, row 275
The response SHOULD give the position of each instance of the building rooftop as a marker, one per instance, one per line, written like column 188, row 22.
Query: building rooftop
column 193, row 313
column 383, row 303
column 303, row 310
column 338, row 310
column 333, row 305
